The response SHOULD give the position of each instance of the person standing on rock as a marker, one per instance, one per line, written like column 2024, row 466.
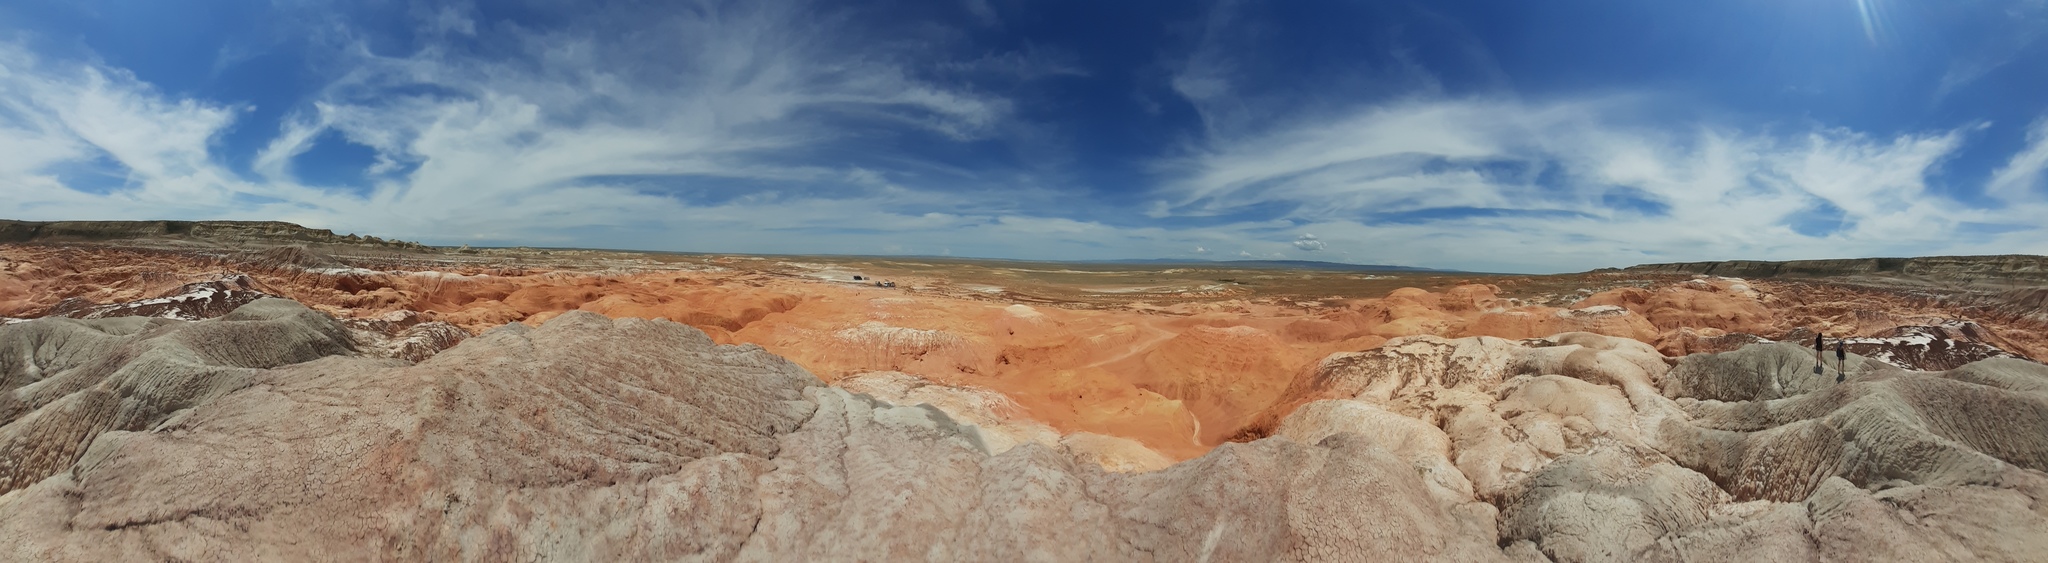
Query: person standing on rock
column 1819, row 347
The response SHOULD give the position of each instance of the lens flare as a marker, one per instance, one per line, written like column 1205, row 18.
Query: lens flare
column 1873, row 24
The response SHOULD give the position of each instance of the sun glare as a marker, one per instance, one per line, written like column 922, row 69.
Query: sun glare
column 1873, row 24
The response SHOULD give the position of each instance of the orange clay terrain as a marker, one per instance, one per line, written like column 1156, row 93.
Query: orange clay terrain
column 1179, row 358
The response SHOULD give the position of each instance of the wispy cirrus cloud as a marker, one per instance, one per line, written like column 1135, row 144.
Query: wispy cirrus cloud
column 1571, row 182
column 2023, row 23
column 85, row 117
column 1566, row 187
column 708, row 129
column 578, row 127
column 2019, row 181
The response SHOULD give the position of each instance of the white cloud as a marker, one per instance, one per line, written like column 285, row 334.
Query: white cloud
column 512, row 147
column 1308, row 242
column 1564, row 186
column 2019, row 180
column 82, row 116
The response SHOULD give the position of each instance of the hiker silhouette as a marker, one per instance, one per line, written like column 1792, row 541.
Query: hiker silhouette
column 1819, row 347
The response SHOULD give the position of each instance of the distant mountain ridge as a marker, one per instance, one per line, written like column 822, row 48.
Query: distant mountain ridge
column 2008, row 266
column 228, row 231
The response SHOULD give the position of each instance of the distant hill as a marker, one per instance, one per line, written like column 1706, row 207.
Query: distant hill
column 2010, row 266
column 218, row 231
column 1280, row 265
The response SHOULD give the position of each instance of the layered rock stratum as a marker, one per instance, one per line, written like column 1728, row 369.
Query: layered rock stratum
column 230, row 402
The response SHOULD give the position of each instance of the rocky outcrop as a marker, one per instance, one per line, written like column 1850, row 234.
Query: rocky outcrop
column 1727, row 304
column 1590, row 462
column 593, row 439
column 1759, row 372
column 589, row 438
column 189, row 302
column 1940, row 347
column 1688, row 340
column 404, row 335
column 1881, row 429
column 68, row 381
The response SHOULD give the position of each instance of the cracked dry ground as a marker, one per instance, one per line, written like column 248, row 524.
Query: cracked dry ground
column 274, row 433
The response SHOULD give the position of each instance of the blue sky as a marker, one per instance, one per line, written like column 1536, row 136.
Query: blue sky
column 1496, row 136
